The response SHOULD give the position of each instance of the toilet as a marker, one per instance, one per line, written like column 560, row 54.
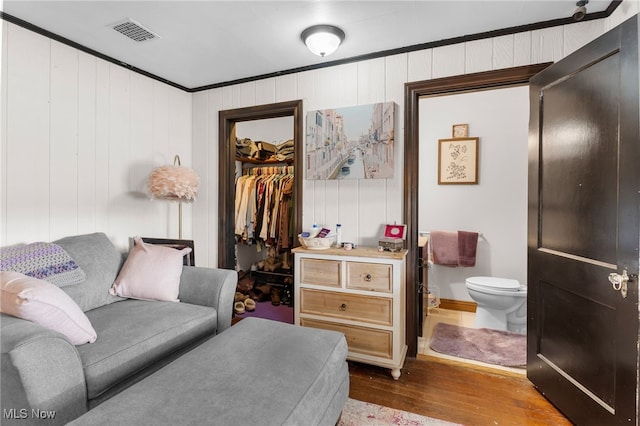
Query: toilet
column 502, row 303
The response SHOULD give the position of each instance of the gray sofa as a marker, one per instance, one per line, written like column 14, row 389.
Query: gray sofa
column 168, row 363
column 41, row 370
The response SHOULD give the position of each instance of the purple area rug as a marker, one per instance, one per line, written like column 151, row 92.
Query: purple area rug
column 480, row 344
column 282, row 313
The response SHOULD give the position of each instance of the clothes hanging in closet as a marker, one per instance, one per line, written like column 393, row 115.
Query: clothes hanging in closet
column 264, row 199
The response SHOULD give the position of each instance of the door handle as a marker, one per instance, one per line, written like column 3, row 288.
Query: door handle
column 619, row 282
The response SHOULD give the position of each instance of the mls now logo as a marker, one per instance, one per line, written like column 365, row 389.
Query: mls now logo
column 23, row 413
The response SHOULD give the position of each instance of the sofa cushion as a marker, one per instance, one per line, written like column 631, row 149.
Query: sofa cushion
column 45, row 304
column 151, row 272
column 46, row 261
column 134, row 333
column 100, row 260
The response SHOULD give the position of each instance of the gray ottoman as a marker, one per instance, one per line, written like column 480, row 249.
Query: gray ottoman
column 258, row 372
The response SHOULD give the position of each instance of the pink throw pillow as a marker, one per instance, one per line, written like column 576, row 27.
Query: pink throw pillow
column 46, row 304
column 151, row 272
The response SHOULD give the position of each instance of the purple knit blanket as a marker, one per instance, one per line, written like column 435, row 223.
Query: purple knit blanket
column 46, row 261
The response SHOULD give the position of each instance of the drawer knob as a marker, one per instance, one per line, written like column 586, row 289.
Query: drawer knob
column 367, row 277
column 343, row 307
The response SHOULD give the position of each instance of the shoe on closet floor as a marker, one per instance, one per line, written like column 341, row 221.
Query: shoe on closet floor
column 275, row 297
column 286, row 297
column 262, row 292
column 250, row 304
column 238, row 308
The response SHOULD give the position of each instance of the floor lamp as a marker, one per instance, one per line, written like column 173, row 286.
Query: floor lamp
column 174, row 183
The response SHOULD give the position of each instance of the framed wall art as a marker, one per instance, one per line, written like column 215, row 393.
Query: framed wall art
column 458, row 161
column 460, row 131
column 354, row 142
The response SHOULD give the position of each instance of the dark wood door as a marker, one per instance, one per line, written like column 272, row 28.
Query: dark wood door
column 584, row 200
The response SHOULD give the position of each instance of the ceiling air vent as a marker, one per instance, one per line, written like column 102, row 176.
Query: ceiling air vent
column 134, row 31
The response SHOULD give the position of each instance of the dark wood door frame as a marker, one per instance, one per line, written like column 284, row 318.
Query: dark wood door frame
column 226, row 169
column 412, row 93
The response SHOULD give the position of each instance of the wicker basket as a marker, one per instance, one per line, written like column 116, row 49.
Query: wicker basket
column 317, row 243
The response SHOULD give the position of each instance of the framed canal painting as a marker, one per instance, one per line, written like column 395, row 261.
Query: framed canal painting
column 351, row 143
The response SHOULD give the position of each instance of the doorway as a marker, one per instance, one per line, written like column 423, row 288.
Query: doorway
column 250, row 162
column 227, row 156
column 495, row 207
column 413, row 93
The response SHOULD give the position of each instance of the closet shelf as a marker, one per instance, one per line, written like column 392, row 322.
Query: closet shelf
column 279, row 279
column 274, row 274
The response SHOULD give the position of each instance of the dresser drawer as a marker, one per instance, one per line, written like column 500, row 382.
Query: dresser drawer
column 360, row 340
column 371, row 309
column 370, row 276
column 320, row 272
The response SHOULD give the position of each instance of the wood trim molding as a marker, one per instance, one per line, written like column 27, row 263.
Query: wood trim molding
column 226, row 169
column 412, row 93
column 458, row 305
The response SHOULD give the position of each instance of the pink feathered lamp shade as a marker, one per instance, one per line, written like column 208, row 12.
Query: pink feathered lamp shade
column 175, row 183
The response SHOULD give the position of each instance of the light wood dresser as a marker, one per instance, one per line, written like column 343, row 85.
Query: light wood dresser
column 359, row 292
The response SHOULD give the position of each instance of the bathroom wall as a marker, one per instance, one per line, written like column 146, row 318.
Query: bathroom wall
column 496, row 206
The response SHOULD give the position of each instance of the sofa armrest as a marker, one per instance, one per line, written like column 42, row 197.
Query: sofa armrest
column 210, row 287
column 41, row 370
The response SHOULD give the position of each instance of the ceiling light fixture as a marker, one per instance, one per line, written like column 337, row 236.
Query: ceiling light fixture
column 581, row 10
column 322, row 40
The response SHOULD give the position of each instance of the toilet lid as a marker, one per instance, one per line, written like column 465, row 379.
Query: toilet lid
column 494, row 282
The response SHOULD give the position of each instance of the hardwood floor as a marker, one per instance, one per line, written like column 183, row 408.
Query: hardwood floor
column 455, row 393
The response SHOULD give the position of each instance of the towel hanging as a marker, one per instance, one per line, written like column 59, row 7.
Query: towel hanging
column 451, row 248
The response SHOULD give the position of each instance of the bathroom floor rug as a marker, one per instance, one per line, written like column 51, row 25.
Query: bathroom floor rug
column 480, row 344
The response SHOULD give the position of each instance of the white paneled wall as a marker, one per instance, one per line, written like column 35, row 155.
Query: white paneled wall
column 363, row 206
column 79, row 137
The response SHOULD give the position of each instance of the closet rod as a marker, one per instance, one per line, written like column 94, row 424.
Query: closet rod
column 269, row 170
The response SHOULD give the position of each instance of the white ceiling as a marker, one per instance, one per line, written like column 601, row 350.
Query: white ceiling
column 212, row 42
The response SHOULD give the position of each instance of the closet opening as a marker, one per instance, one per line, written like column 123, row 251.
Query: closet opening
column 260, row 206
